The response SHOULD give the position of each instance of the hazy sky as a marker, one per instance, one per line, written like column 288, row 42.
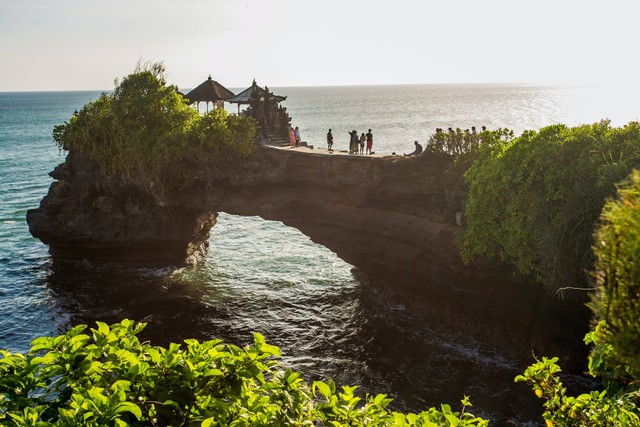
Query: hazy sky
column 86, row 44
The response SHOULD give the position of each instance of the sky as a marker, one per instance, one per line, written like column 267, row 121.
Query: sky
column 86, row 44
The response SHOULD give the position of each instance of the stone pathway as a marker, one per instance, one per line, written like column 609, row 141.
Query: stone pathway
column 284, row 145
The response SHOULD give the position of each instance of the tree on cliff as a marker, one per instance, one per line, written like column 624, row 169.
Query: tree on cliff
column 535, row 202
column 145, row 130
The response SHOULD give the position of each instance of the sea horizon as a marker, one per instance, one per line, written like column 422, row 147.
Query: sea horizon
column 364, row 85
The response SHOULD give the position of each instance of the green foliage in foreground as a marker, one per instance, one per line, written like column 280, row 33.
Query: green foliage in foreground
column 615, row 356
column 606, row 408
column 617, row 302
column 535, row 201
column 144, row 129
column 107, row 377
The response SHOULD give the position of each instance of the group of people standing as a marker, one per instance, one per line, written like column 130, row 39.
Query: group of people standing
column 356, row 144
column 294, row 136
column 361, row 145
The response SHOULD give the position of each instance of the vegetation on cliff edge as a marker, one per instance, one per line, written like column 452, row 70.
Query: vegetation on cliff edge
column 615, row 335
column 534, row 201
column 144, row 129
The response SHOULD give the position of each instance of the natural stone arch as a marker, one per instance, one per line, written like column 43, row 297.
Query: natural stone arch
column 388, row 216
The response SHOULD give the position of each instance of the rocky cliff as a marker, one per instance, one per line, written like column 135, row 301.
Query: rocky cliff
column 87, row 216
column 388, row 216
column 392, row 213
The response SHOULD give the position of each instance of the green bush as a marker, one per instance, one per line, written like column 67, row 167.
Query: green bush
column 461, row 144
column 467, row 148
column 144, row 129
column 606, row 408
column 617, row 301
column 535, row 201
column 106, row 377
column 615, row 336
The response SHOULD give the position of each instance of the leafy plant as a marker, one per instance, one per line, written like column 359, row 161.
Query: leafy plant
column 535, row 202
column 595, row 409
column 617, row 301
column 145, row 130
column 615, row 335
column 105, row 376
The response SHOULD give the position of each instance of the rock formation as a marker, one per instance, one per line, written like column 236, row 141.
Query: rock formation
column 390, row 216
column 87, row 216
column 390, row 213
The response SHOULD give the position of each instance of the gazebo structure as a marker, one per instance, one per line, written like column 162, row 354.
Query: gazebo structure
column 209, row 91
column 265, row 107
column 254, row 92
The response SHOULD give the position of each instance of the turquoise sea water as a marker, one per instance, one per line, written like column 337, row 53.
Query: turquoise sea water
column 263, row 276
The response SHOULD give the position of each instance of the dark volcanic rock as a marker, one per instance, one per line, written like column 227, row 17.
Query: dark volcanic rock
column 394, row 214
column 88, row 216
column 388, row 216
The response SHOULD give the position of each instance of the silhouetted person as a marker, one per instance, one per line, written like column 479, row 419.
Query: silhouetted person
column 329, row 140
column 369, row 142
column 417, row 151
column 353, row 141
column 296, row 132
column 292, row 138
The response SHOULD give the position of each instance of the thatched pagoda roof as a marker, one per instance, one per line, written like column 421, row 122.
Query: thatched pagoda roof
column 246, row 95
column 209, row 91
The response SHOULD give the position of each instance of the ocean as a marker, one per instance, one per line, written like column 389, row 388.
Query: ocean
column 263, row 276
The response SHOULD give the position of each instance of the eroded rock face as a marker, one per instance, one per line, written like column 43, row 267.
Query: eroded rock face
column 86, row 216
column 391, row 216
column 391, row 213
column 394, row 213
